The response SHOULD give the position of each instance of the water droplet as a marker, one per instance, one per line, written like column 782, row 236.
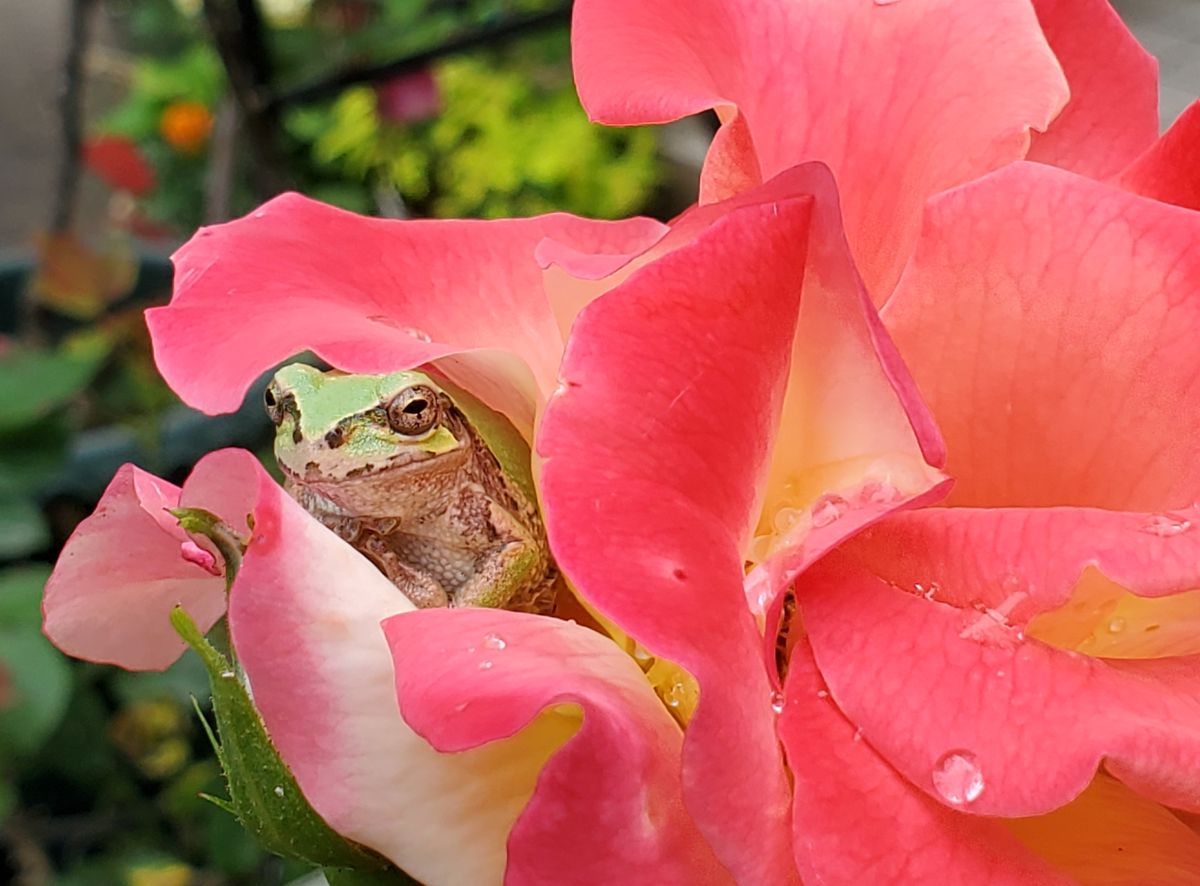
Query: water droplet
column 858, row 734
column 1166, row 525
column 485, row 665
column 778, row 700
column 786, row 519
column 460, row 707
column 822, row 693
column 418, row 334
column 676, row 694
column 260, row 214
column 827, row 509
column 957, row 777
column 1000, row 674
column 494, row 641
column 228, row 675
column 1116, row 625
column 278, row 790
column 878, row 492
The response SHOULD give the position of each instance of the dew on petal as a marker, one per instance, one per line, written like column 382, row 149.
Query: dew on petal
column 822, row 693
column 858, row 734
column 1165, row 525
column 878, row 492
column 786, row 519
column 494, row 641
column 485, row 665
column 778, row 701
column 928, row 591
column 958, row 778
column 827, row 509
column 676, row 695
column 278, row 790
column 260, row 214
column 418, row 334
column 1116, row 625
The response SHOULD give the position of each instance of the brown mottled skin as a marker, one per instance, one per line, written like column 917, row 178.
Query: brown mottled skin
column 447, row 527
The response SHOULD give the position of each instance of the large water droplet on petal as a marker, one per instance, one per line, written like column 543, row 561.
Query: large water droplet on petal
column 778, row 700
column 1166, row 525
column 958, row 778
column 494, row 641
column 827, row 509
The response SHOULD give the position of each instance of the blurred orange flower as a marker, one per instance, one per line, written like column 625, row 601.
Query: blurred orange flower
column 185, row 125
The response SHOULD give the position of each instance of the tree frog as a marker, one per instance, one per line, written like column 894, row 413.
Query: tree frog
column 422, row 478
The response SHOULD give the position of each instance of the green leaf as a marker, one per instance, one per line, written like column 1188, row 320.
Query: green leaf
column 262, row 792
column 35, row 685
column 36, row 382
column 391, row 877
column 23, row 528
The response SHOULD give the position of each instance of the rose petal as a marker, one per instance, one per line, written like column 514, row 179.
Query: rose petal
column 1031, row 723
column 1050, row 322
column 1113, row 112
column 305, row 617
column 1031, row 558
column 1169, row 170
column 125, row 568
column 470, row 677
column 654, row 450
column 368, row 295
column 1109, row 836
column 843, row 790
column 902, row 100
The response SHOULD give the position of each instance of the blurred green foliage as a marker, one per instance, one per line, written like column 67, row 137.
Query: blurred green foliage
column 510, row 137
column 506, row 143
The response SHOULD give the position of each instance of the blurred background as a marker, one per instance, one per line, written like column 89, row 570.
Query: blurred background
column 125, row 124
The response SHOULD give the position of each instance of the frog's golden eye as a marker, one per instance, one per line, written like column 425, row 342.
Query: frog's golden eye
column 413, row 411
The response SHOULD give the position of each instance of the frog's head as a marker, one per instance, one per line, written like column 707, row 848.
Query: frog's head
column 331, row 427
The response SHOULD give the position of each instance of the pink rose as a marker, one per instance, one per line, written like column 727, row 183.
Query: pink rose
column 726, row 412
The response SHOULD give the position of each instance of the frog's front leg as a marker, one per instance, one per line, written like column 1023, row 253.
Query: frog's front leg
column 422, row 589
column 508, row 575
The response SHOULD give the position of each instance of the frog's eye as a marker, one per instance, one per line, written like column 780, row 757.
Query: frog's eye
column 413, row 411
column 274, row 406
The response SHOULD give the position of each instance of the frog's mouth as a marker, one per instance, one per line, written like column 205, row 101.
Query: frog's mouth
column 395, row 466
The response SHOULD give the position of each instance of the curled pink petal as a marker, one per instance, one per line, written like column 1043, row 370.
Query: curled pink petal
column 1030, row 723
column 305, row 616
column 901, row 100
column 653, row 454
column 127, row 566
column 1050, row 322
column 1169, row 170
column 1038, row 553
column 663, row 453
column 470, row 677
column 1112, row 115
column 368, row 295
column 843, row 790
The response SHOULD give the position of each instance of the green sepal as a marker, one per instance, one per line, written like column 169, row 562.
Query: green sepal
column 263, row 795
